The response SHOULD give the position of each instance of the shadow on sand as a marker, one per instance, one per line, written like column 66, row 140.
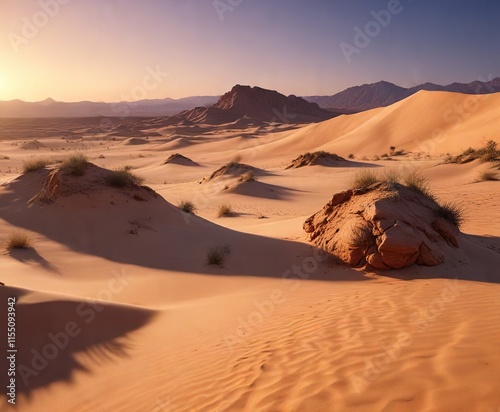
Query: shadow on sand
column 56, row 339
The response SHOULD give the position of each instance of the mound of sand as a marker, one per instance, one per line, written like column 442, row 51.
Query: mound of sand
column 134, row 141
column 32, row 145
column 231, row 169
column 316, row 158
column 60, row 183
column 387, row 226
column 179, row 159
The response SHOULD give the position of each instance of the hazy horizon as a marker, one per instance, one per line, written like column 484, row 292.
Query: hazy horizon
column 125, row 51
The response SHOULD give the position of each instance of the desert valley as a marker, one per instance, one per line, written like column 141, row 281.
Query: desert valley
column 256, row 253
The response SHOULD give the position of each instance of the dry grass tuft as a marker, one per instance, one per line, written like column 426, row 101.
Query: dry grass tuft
column 216, row 255
column 123, row 178
column 34, row 164
column 225, row 210
column 18, row 240
column 187, row 206
column 76, row 164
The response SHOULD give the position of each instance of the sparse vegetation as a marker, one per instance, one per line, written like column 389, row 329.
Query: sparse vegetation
column 487, row 175
column 351, row 156
column 452, row 212
column 415, row 179
column 76, row 164
column 187, row 206
column 392, row 175
column 34, row 164
column 224, row 210
column 18, row 240
column 362, row 237
column 247, row 177
column 122, row 178
column 216, row 255
column 488, row 153
column 364, row 178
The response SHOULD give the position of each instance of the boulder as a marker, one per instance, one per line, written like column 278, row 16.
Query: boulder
column 385, row 226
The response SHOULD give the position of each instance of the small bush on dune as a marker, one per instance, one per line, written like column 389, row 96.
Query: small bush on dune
column 18, row 240
column 452, row 212
column 487, row 175
column 123, row 178
column 76, row 164
column 364, row 178
column 187, row 206
column 34, row 164
column 216, row 255
column 224, row 210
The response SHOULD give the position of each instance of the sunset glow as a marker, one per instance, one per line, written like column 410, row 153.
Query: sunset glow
column 72, row 50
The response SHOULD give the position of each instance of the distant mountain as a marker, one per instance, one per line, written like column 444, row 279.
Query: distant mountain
column 249, row 104
column 369, row 96
column 141, row 108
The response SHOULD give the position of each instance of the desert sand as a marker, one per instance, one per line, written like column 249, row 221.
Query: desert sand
column 144, row 324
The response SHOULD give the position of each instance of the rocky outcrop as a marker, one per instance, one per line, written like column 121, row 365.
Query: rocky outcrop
column 385, row 226
column 262, row 105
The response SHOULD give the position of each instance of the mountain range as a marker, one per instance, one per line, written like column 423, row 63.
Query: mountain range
column 381, row 94
column 241, row 101
column 140, row 108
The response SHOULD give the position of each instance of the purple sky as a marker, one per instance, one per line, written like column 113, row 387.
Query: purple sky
column 114, row 50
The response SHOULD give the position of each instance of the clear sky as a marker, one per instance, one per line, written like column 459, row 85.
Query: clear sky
column 111, row 50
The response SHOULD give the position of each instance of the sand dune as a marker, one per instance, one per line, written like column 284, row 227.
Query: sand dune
column 453, row 122
column 278, row 325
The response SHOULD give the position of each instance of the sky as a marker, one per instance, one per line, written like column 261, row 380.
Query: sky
column 114, row 50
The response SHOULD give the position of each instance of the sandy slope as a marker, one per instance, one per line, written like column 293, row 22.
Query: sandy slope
column 279, row 328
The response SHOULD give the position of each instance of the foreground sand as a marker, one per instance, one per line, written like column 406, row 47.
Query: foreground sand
column 279, row 328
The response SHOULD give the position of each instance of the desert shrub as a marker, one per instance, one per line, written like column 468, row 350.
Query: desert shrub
column 122, row 178
column 187, row 206
column 247, row 177
column 489, row 157
column 385, row 155
column 351, row 156
column 364, row 178
column 452, row 212
column 34, row 164
column 76, row 164
column 487, row 175
column 18, row 240
column 216, row 255
column 224, row 210
column 391, row 175
column 362, row 237
column 415, row 180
